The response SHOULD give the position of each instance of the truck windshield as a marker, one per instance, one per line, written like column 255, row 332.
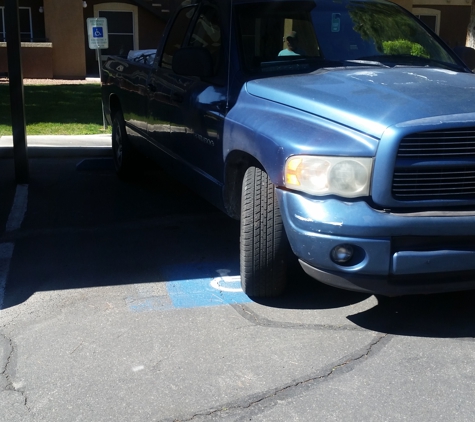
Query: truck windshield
column 301, row 36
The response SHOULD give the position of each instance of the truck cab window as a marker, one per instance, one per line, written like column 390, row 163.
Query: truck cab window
column 177, row 35
column 277, row 36
column 207, row 34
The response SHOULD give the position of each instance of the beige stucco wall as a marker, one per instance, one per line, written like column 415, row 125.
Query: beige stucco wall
column 407, row 4
column 36, row 60
column 64, row 28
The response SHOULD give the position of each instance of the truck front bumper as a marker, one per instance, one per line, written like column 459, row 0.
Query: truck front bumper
column 394, row 253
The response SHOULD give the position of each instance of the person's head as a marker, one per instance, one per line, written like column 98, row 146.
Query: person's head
column 291, row 40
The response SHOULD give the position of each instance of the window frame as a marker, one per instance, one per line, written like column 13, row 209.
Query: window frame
column 28, row 34
column 218, row 65
column 121, row 7
column 186, row 35
column 423, row 11
column 4, row 32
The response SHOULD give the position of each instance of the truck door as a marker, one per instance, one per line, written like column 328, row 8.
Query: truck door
column 162, row 82
column 196, row 107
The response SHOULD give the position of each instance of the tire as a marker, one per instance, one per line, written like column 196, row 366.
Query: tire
column 264, row 245
column 123, row 152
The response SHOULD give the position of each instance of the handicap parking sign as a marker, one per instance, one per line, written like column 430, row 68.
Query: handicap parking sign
column 97, row 33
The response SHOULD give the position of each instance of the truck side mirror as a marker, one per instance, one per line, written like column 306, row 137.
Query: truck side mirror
column 467, row 55
column 193, row 61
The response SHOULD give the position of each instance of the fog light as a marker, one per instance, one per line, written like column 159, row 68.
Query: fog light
column 342, row 253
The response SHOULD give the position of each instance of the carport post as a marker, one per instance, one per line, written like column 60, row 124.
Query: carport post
column 17, row 104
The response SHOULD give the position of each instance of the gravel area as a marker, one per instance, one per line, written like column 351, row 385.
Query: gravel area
column 4, row 81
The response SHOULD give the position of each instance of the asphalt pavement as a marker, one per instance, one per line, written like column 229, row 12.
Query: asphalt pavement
column 120, row 301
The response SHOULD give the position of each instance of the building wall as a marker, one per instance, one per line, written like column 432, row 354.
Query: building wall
column 36, row 60
column 407, row 4
column 454, row 21
column 151, row 30
column 64, row 22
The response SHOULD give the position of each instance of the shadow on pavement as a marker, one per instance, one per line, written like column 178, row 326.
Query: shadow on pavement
column 304, row 292
column 86, row 228
column 448, row 315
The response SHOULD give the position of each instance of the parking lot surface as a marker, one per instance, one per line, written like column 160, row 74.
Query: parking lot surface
column 120, row 301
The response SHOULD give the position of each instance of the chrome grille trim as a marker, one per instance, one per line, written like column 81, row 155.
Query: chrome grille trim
column 457, row 142
column 436, row 165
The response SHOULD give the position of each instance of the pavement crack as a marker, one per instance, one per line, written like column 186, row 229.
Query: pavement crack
column 6, row 382
column 11, row 320
column 8, row 346
column 260, row 402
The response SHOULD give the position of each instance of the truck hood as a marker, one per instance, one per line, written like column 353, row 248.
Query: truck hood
column 372, row 99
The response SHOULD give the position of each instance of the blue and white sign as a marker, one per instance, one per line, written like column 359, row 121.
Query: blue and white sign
column 97, row 33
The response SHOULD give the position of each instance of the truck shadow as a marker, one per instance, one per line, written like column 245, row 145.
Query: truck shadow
column 85, row 229
column 448, row 315
column 445, row 315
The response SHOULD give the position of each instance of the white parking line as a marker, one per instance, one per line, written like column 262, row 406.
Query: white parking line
column 17, row 213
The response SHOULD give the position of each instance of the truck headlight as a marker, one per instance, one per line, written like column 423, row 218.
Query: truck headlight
column 349, row 177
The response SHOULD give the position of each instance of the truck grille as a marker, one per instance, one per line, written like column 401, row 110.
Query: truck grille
column 436, row 165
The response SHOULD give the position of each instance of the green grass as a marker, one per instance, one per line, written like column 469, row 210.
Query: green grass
column 56, row 110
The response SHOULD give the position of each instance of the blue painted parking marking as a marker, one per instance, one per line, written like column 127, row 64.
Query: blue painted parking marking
column 183, row 291
column 221, row 290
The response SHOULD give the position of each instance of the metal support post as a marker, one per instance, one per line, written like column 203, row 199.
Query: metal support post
column 15, row 76
column 99, row 61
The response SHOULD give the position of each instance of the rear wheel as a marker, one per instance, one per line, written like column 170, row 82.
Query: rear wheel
column 264, row 244
column 123, row 152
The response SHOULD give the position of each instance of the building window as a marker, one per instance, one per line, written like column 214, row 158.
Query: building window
column 121, row 32
column 26, row 30
column 431, row 17
column 122, row 27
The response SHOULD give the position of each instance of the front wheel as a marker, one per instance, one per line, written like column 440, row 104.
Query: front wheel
column 264, row 244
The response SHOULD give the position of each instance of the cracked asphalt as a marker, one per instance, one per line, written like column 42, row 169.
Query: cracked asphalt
column 107, row 314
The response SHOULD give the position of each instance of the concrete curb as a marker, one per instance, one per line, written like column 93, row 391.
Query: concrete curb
column 48, row 146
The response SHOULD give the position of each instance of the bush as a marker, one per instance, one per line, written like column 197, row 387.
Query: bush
column 404, row 47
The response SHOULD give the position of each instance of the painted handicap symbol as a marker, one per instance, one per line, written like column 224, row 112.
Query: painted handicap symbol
column 197, row 292
column 226, row 283
column 97, row 32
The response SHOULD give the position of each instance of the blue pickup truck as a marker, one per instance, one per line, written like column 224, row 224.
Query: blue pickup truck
column 341, row 132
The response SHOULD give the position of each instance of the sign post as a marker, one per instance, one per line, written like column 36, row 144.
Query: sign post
column 98, row 37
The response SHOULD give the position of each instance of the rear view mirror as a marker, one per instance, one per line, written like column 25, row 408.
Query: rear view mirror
column 193, row 61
